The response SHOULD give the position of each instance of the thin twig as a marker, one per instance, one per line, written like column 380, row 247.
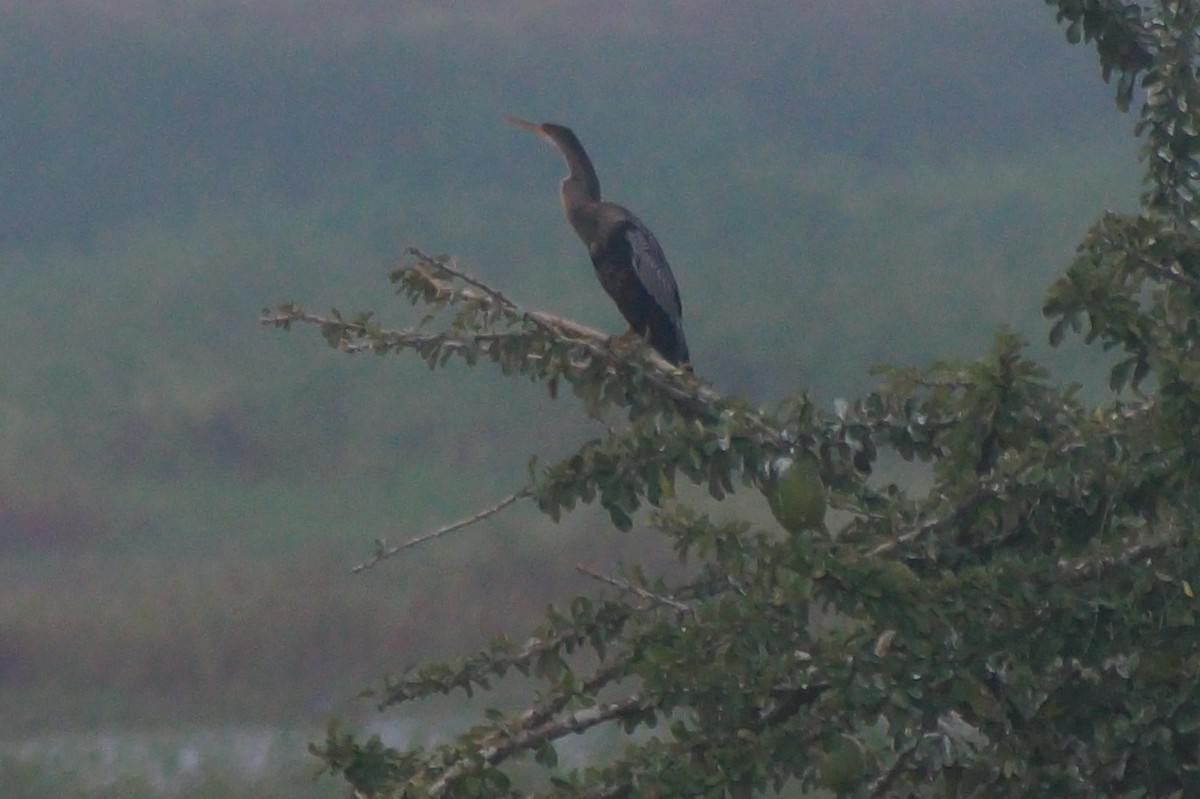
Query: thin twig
column 451, row 268
column 887, row 547
column 286, row 315
column 1162, row 270
column 383, row 552
column 658, row 599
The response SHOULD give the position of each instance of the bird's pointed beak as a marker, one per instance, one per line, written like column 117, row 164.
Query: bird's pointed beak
column 524, row 123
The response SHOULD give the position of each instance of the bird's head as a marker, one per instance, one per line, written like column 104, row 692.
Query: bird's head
column 559, row 135
column 582, row 173
column 530, row 126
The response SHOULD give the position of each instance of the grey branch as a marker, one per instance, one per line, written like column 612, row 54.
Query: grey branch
column 657, row 599
column 383, row 551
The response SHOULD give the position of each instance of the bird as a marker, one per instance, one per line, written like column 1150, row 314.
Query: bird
column 628, row 259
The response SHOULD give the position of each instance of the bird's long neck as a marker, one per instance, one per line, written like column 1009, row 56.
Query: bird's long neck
column 581, row 187
column 579, row 201
column 581, row 180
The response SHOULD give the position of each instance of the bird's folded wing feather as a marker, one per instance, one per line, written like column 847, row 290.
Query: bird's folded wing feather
column 650, row 265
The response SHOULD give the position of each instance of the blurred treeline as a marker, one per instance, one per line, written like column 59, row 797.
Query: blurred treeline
column 180, row 491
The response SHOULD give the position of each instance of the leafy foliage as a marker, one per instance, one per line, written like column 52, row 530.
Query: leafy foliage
column 1024, row 625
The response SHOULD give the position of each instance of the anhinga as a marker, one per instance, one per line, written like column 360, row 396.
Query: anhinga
column 628, row 259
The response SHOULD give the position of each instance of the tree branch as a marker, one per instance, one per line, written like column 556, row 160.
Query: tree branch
column 657, row 599
column 450, row 267
column 572, row 724
column 1092, row 567
column 1161, row 270
column 383, row 551
column 596, row 342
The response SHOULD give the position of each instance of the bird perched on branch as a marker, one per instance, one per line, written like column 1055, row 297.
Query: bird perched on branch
column 628, row 259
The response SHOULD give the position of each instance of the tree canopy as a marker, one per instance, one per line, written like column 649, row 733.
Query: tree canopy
column 1022, row 623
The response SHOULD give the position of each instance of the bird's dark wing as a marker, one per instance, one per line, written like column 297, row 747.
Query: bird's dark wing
column 652, row 270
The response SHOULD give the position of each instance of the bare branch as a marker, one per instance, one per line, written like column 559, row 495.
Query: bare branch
column 284, row 315
column 657, row 599
column 383, row 552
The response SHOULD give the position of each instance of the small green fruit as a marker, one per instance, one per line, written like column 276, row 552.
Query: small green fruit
column 842, row 769
column 796, row 494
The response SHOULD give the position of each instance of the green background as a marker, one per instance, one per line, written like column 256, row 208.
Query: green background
column 182, row 492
